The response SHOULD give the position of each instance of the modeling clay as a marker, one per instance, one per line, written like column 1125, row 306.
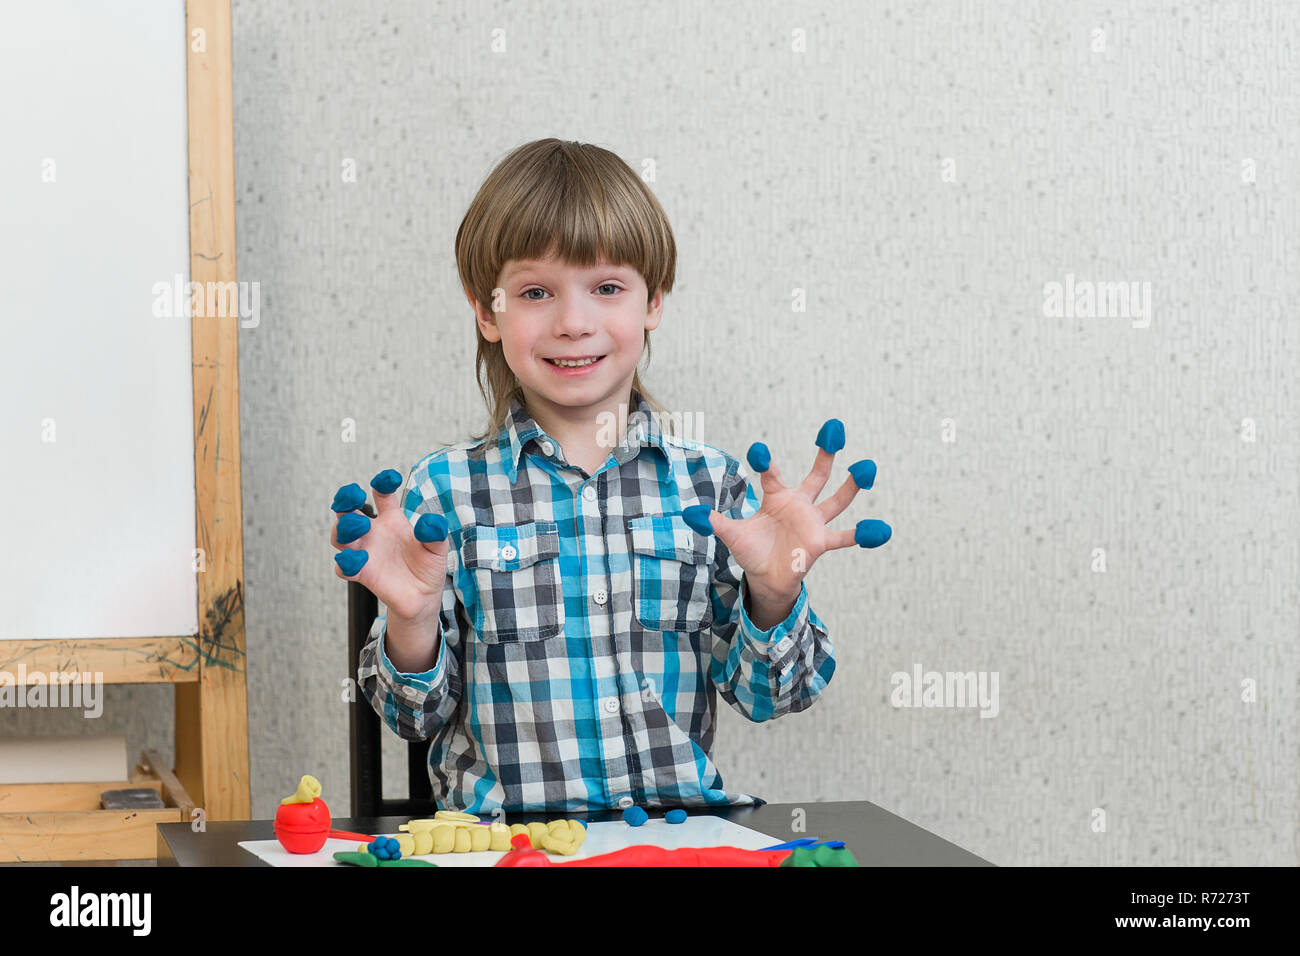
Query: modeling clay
column 863, row 472
column 431, row 528
column 557, row 844
column 871, row 533
column 444, row 840
column 759, row 458
column 658, row 856
column 819, row 856
column 387, row 481
column 349, row 498
column 520, row 841
column 537, row 830
column 697, row 516
column 831, row 436
column 308, row 790
column 352, row 526
column 462, row 841
column 675, row 816
column 479, row 839
column 369, row 859
column 635, row 816
column 351, row 561
column 458, row 815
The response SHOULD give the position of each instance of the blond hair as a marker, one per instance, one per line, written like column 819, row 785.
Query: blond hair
column 558, row 197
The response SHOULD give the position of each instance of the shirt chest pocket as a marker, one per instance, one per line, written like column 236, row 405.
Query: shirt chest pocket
column 511, row 582
column 672, row 571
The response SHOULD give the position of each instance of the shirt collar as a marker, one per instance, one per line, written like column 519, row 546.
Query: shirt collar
column 642, row 430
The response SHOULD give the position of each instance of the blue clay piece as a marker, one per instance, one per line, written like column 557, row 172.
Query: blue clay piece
column 431, row 528
column 675, row 816
column 351, row 561
column 871, row 533
column 759, row 458
column 635, row 816
column 387, row 481
column 352, row 526
column 349, row 498
column 863, row 472
column 831, row 437
column 697, row 516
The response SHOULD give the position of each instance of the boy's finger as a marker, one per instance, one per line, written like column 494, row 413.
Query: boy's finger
column 760, row 460
column 386, row 487
column 862, row 474
column 830, row 439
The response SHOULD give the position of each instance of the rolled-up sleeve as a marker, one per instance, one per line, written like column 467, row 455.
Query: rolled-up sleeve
column 763, row 674
column 415, row 705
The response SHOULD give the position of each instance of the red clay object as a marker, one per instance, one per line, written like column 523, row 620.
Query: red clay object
column 683, row 856
column 520, row 841
column 524, row 858
column 302, row 827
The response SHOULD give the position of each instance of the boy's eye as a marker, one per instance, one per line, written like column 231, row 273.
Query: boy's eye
column 615, row 287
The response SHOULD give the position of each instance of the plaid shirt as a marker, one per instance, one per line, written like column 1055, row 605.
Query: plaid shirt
column 586, row 629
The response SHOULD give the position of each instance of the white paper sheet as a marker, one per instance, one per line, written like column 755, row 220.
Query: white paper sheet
column 606, row 837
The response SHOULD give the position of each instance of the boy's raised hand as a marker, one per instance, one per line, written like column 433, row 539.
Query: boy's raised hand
column 403, row 567
column 779, row 543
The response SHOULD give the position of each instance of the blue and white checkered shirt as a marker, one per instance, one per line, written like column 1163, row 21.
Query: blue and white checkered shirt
column 586, row 629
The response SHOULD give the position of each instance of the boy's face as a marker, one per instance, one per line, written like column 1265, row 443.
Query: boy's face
column 551, row 309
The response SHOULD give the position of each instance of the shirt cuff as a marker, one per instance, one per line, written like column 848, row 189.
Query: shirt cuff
column 775, row 642
column 422, row 681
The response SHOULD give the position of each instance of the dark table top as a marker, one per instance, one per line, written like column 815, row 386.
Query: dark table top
column 873, row 835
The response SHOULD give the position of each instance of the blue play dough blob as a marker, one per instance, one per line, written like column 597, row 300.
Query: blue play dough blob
column 352, row 526
column 349, row 498
column 871, row 533
column 387, row 481
column 831, row 436
column 863, row 472
column 759, row 458
column 431, row 528
column 351, row 561
column 635, row 816
column 675, row 816
column 697, row 516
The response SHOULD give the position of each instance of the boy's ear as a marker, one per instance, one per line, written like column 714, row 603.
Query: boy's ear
column 654, row 311
column 485, row 319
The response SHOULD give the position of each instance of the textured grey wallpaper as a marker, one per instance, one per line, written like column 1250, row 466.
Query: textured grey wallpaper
column 1038, row 257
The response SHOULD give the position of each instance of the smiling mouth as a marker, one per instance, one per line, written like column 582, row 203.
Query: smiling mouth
column 598, row 360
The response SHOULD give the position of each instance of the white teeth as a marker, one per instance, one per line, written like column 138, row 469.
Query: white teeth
column 564, row 364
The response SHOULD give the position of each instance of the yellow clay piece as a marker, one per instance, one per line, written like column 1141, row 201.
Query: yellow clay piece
column 444, row 838
column 462, row 841
column 517, row 828
column 423, row 843
column 556, row 845
column 308, row 790
column 455, row 815
column 363, row 848
column 479, row 839
column 558, row 826
column 406, row 844
column 500, row 842
column 578, row 831
column 536, row 831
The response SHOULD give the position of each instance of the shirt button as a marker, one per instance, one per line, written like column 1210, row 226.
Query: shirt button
column 625, row 802
column 600, row 597
column 589, row 493
column 610, row 705
column 783, row 645
column 548, row 448
column 508, row 552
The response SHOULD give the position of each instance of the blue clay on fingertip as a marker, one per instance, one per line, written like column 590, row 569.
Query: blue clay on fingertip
column 863, row 472
column 831, row 436
column 352, row 526
column 697, row 516
column 759, row 458
column 430, row 528
column 871, row 533
column 351, row 561
column 349, row 498
column 387, row 481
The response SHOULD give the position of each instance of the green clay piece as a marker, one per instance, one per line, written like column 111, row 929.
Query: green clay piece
column 406, row 863
column 819, row 856
column 356, row 859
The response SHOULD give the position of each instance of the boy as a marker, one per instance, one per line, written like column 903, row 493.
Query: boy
column 580, row 583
